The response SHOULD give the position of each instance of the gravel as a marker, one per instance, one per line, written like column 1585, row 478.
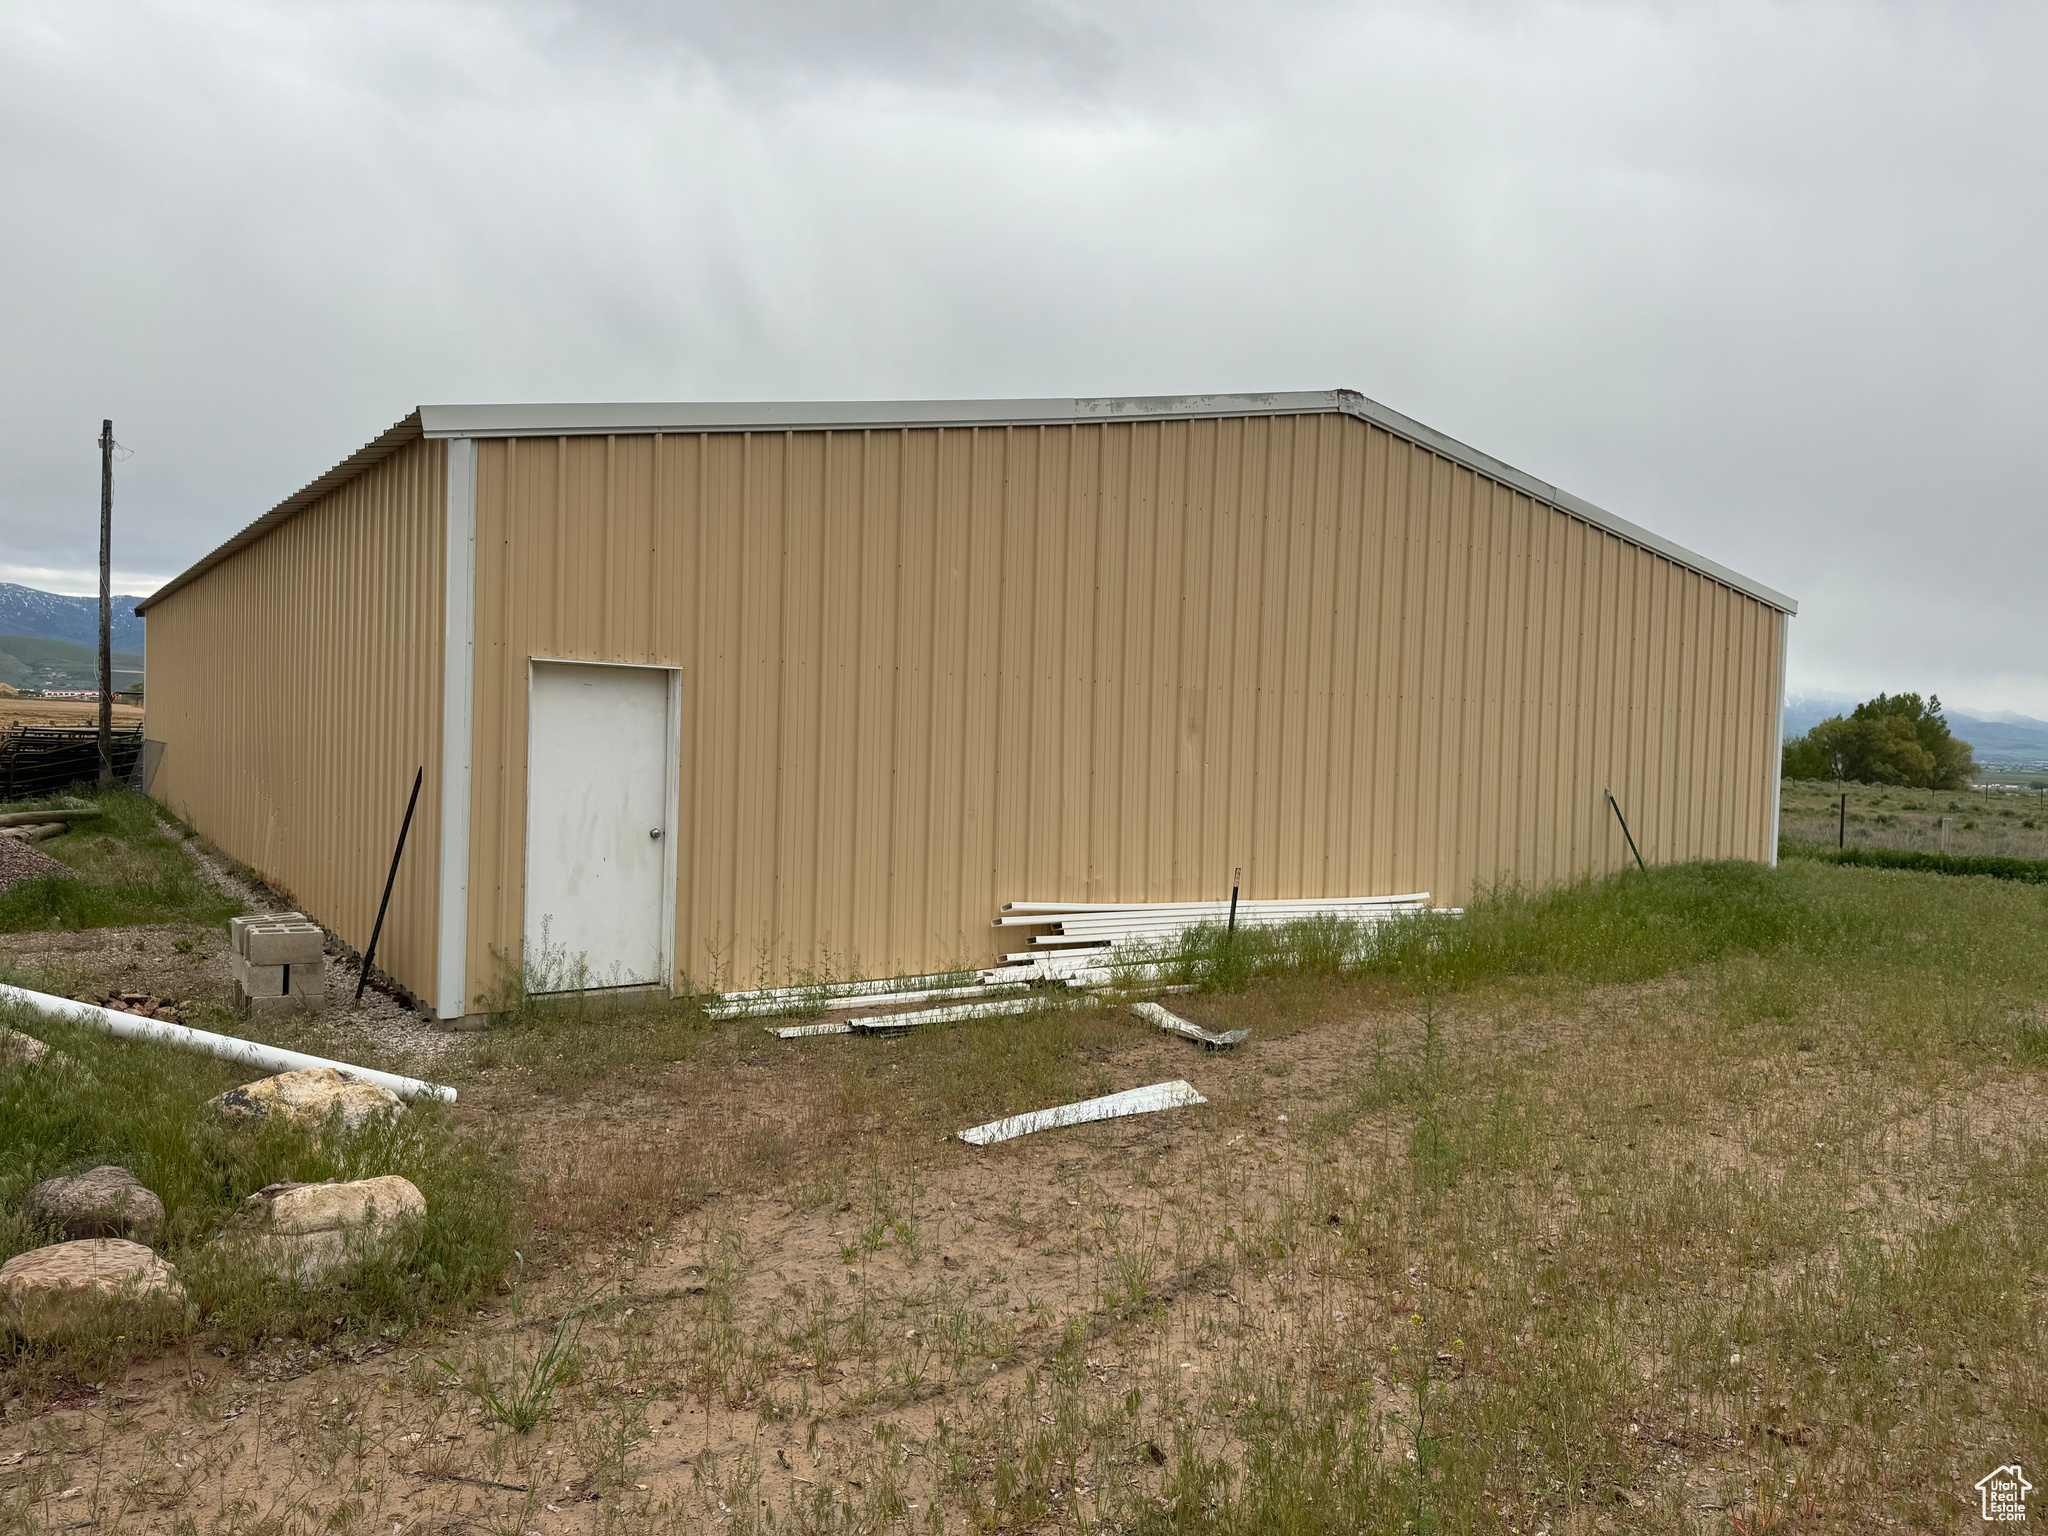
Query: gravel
column 21, row 861
column 183, row 964
column 389, row 1025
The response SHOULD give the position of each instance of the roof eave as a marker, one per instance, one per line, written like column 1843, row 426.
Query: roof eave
column 574, row 420
column 406, row 430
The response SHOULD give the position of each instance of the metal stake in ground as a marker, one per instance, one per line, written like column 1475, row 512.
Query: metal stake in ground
column 106, row 602
column 1625, row 831
column 389, row 880
column 1842, row 827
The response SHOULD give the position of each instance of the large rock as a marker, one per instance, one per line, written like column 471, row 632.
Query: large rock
column 308, row 1097
column 26, row 1049
column 50, row 1292
column 306, row 1232
column 107, row 1202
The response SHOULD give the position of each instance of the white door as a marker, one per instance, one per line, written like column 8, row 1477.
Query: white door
column 597, row 814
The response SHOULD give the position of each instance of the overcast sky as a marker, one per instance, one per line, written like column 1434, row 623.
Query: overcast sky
column 1764, row 278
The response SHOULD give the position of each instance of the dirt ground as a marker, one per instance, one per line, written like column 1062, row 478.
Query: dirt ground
column 806, row 1301
column 1617, row 1240
column 992, row 1242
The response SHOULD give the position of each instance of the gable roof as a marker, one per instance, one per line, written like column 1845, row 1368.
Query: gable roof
column 447, row 421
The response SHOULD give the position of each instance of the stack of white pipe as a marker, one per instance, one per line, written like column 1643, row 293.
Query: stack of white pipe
column 1086, row 936
column 1090, row 944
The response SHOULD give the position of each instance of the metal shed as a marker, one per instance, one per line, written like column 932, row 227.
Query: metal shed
column 751, row 693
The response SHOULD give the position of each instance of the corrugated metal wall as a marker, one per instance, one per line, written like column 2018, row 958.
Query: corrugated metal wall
column 929, row 671
column 297, row 687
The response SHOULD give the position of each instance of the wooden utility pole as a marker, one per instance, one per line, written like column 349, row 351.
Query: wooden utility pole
column 106, row 602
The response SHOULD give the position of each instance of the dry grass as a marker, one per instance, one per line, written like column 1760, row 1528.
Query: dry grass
column 2004, row 822
column 1756, row 1243
column 67, row 712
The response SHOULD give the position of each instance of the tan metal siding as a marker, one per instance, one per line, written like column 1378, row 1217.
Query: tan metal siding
column 296, row 687
column 929, row 670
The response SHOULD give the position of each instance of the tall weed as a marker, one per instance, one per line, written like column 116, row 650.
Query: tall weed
column 1615, row 928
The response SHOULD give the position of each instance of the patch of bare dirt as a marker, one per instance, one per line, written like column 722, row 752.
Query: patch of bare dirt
column 801, row 1272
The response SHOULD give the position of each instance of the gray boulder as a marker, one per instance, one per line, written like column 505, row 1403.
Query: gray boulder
column 107, row 1202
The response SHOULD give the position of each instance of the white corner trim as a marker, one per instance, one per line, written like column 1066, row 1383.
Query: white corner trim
column 670, row 893
column 1778, row 756
column 458, row 717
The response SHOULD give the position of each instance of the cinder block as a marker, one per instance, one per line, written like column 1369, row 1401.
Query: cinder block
column 238, row 927
column 279, row 980
column 296, row 1003
column 282, row 943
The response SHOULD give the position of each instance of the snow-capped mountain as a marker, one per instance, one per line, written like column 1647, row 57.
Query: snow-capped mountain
column 53, row 616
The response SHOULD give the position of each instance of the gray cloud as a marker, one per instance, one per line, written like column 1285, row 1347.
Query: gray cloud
column 1033, row 50
column 1758, row 276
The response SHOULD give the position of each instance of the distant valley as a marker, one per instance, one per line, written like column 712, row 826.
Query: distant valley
column 30, row 661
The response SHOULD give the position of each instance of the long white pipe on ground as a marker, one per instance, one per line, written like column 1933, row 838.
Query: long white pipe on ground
column 269, row 1058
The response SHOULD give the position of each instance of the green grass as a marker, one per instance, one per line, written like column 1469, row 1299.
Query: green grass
column 34, row 661
column 130, row 866
column 1621, row 928
column 1713, row 1196
column 565, row 1045
column 1996, row 820
column 2032, row 871
column 143, row 1107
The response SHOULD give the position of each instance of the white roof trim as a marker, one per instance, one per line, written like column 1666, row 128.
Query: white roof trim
column 573, row 420
column 867, row 415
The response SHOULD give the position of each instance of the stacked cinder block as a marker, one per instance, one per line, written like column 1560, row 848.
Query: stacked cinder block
column 278, row 962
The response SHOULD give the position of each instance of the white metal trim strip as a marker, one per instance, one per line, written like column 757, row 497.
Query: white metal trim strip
column 458, row 722
column 571, row 420
column 1778, row 757
column 1112, row 1106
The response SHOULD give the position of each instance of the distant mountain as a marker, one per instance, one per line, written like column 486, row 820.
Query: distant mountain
column 30, row 661
column 1803, row 711
column 1998, row 740
column 53, row 616
column 2017, row 740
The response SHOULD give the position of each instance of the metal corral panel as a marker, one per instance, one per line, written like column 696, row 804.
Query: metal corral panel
column 297, row 687
column 929, row 670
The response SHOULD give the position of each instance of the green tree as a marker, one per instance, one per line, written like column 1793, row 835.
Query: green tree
column 1891, row 739
column 1806, row 758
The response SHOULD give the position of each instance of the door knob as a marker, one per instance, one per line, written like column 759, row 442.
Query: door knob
column 654, row 832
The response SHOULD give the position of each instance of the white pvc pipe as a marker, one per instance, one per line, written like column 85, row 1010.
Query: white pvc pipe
column 269, row 1058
